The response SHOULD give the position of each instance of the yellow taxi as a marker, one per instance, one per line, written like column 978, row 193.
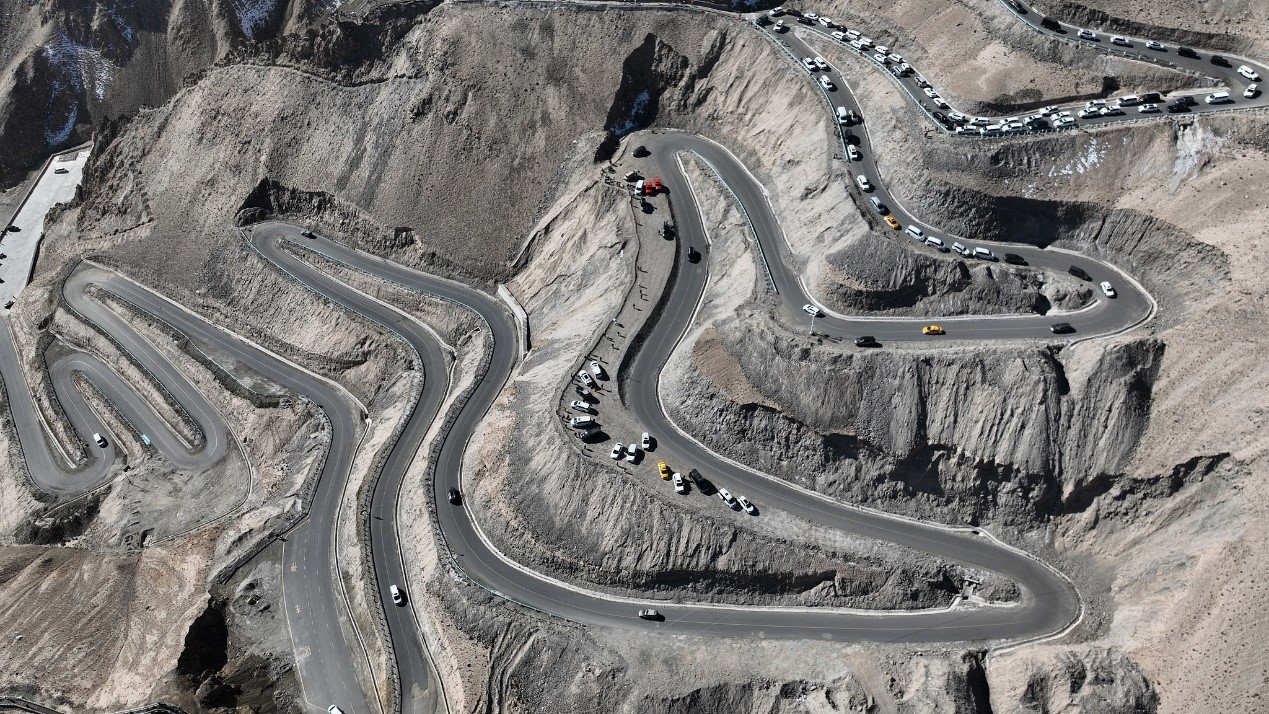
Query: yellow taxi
column 664, row 469
column 893, row 223
column 932, row 330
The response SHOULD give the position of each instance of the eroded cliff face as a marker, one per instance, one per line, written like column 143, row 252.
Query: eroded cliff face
column 963, row 434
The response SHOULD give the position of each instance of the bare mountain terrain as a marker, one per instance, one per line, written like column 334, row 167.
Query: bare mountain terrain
column 468, row 139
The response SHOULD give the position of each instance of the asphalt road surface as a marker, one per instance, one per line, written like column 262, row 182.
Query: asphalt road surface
column 312, row 598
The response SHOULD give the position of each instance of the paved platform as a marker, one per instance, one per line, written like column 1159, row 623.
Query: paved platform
column 21, row 247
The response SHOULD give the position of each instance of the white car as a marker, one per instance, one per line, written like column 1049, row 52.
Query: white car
column 852, row 152
column 916, row 233
column 1251, row 91
column 680, row 486
column 776, row 11
column 821, row 64
column 839, row 36
column 779, row 26
column 1087, row 35
column 920, row 81
column 956, row 117
column 865, row 41
column 826, row 22
column 897, row 59
column 929, row 92
column 1249, row 73
column 1048, row 110
column 1111, row 112
column 826, row 83
column 646, row 441
column 1107, row 289
column 1087, row 112
column 745, row 504
column 883, row 49
column 812, row 310
column 936, row 243
column 1148, row 109
column 1152, row 45
column 579, row 405
column 581, row 422
column 597, row 370
column 617, row 452
column 880, row 58
column 984, row 254
column 961, row 249
column 1064, row 122
column 1121, row 41
column 727, row 498
column 397, row 598
column 586, row 378
column 808, row 63
column 100, row 440
column 862, row 180
column 632, row 453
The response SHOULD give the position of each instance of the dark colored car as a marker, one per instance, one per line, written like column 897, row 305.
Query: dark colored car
column 940, row 117
column 1061, row 328
column 693, row 255
column 1185, row 101
column 455, row 497
column 1050, row 24
column 1015, row 259
column 867, row 341
column 14, row 229
column 1178, row 108
column 1079, row 272
column 1187, row 52
column 307, row 233
column 1219, row 61
column 641, row 151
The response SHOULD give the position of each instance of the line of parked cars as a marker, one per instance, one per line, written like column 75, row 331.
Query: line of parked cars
column 585, row 423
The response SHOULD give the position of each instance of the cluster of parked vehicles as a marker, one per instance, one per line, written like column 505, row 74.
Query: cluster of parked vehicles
column 584, row 423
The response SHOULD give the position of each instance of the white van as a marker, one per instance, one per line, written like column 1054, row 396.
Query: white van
column 936, row 243
column 916, row 233
column 1128, row 100
column 864, row 185
column 853, row 34
column 1249, row 73
column 842, row 117
column 961, row 249
column 1217, row 98
column 581, row 421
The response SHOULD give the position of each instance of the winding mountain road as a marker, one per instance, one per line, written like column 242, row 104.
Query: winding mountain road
column 312, row 598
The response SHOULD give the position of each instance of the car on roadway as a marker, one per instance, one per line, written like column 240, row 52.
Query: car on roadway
column 332, row 709
column 632, row 453
column 1107, row 289
column 579, row 405
column 1187, row 52
column 586, row 378
column 864, row 184
column 61, row 170
column 13, row 229
column 745, row 504
column 775, row 12
column 867, row 341
column 826, row 83
column 1251, row 91
column 1063, row 123
column 1219, row 61
column 936, row 244
column 618, row 451
column 398, row 599
column 962, row 249
column 1249, row 73
column 1157, row 46
column 1121, row 41
column 880, row 58
column 645, row 441
column 1087, row 35
column 877, row 204
column 812, row 310
column 1148, row 109
column 727, row 498
column 454, row 496
column 596, row 369
column 779, row 26
column 839, row 36
column 1061, row 328
column 984, row 254
column 1111, row 112
column 853, row 153
column 1015, row 259
column 664, row 469
column 808, row 63
column 1080, row 273
column 650, row 614
column 680, row 486
column 890, row 220
column 1175, row 108
column 99, row 440
column 821, row 65
column 916, row 233
column 932, row 330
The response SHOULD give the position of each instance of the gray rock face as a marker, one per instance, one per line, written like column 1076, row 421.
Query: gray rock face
column 1099, row 680
column 1006, row 432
